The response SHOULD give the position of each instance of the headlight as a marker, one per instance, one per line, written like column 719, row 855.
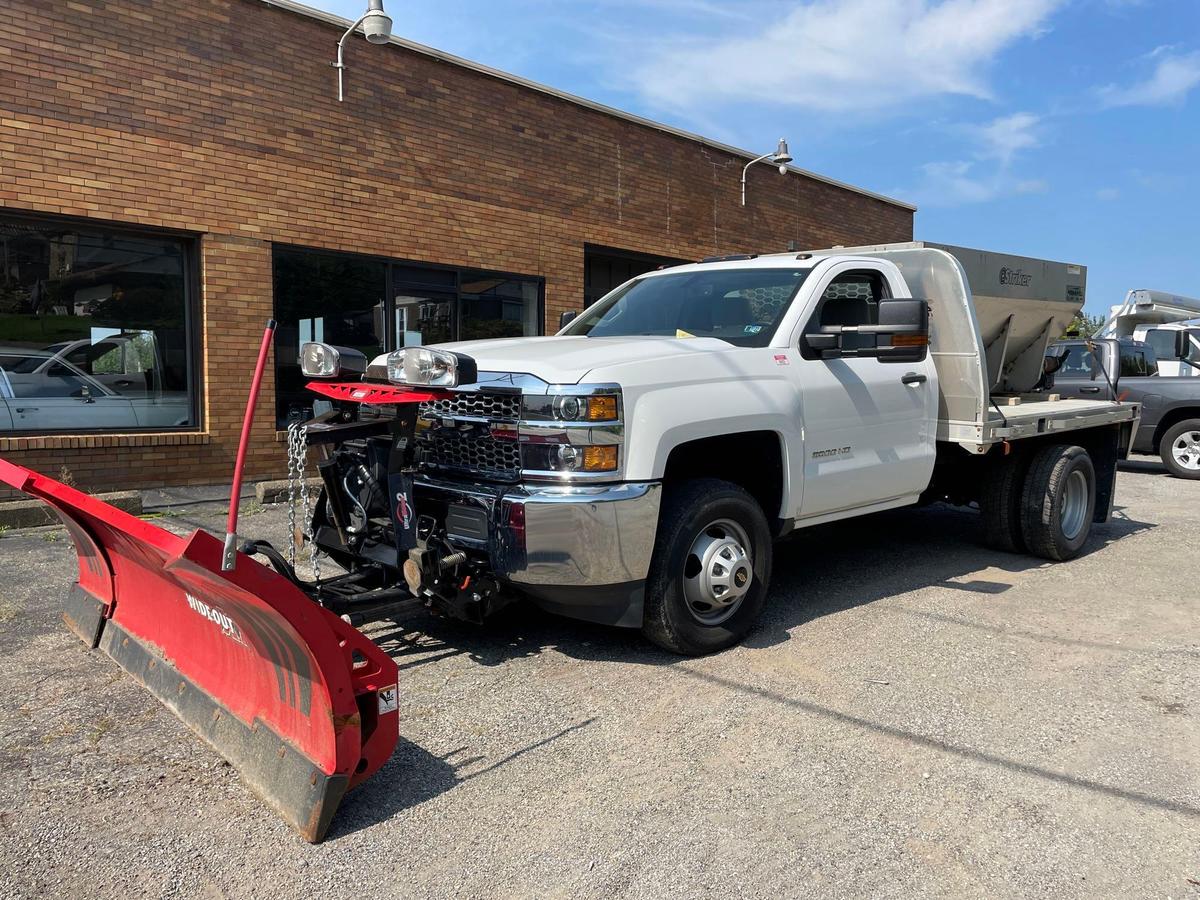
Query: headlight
column 600, row 408
column 395, row 367
column 326, row 361
column 570, row 458
column 436, row 368
column 577, row 432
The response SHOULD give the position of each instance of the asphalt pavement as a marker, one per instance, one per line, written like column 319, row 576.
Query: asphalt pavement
column 915, row 715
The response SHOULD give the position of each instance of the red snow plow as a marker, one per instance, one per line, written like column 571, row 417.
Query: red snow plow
column 302, row 704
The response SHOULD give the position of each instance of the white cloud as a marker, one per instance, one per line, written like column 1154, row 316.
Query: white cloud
column 1007, row 136
column 845, row 54
column 1173, row 78
column 968, row 181
column 989, row 174
column 1108, row 193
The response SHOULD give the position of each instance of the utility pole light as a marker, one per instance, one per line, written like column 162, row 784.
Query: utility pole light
column 376, row 26
column 781, row 157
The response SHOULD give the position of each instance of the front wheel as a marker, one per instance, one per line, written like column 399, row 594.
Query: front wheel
column 711, row 568
column 1180, row 449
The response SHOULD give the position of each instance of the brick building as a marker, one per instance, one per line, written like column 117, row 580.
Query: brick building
column 174, row 174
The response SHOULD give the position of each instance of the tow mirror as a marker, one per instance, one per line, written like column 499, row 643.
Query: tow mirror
column 901, row 335
column 566, row 319
column 1183, row 345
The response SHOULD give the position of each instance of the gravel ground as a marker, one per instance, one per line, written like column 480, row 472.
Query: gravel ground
column 914, row 715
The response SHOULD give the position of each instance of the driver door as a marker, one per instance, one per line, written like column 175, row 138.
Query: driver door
column 869, row 426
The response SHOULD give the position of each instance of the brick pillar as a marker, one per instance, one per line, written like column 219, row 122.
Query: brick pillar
column 237, row 302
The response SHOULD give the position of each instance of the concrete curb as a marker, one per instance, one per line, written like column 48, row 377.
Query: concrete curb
column 35, row 513
column 277, row 491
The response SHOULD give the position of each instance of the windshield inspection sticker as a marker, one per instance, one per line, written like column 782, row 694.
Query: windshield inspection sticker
column 752, row 329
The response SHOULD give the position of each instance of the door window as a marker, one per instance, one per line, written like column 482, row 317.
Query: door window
column 1134, row 362
column 851, row 298
column 1162, row 342
column 1078, row 362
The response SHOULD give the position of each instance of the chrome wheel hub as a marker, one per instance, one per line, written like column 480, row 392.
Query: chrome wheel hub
column 1186, row 450
column 1074, row 505
column 718, row 572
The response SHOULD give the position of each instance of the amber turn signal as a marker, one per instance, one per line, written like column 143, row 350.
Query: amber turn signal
column 602, row 408
column 910, row 340
column 599, row 459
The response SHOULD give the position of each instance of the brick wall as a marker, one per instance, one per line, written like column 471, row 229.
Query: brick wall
column 220, row 118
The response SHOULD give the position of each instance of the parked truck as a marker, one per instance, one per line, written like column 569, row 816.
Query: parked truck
column 635, row 469
column 1167, row 322
column 1128, row 370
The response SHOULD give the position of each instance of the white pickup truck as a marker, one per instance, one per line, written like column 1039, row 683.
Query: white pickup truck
column 637, row 468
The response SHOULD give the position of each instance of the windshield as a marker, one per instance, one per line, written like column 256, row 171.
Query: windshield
column 741, row 306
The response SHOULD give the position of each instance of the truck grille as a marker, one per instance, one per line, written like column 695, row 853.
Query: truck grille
column 475, row 405
column 472, row 434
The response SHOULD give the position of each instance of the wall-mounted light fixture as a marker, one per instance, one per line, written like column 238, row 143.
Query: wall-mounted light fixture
column 781, row 157
column 376, row 26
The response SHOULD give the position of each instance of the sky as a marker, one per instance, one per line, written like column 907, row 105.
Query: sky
column 1062, row 129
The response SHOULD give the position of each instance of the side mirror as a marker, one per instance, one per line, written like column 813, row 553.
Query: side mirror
column 566, row 318
column 901, row 336
column 1183, row 345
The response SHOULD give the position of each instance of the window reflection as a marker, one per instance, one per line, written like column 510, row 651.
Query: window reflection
column 375, row 305
column 93, row 329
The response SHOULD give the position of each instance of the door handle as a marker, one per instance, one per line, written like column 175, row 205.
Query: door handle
column 25, row 409
column 1089, row 390
column 914, row 378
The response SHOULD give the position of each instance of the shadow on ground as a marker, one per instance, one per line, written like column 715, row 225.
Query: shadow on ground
column 818, row 572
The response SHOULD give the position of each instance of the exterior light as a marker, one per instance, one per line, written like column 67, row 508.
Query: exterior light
column 781, row 157
column 376, row 26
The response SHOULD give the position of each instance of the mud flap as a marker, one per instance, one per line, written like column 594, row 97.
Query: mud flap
column 302, row 704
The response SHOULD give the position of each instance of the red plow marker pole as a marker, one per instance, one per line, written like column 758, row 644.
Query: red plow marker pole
column 229, row 557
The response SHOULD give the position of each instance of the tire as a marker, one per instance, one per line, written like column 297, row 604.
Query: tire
column 1000, row 504
column 705, row 520
column 1180, row 449
column 1058, row 501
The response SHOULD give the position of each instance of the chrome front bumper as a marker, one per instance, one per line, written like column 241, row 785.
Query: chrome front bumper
column 579, row 550
column 572, row 535
column 588, row 535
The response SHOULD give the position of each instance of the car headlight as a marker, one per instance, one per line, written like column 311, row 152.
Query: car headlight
column 577, row 431
column 599, row 408
column 435, row 368
column 395, row 367
column 319, row 360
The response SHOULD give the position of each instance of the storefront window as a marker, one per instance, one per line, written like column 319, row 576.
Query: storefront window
column 329, row 297
column 94, row 329
column 376, row 305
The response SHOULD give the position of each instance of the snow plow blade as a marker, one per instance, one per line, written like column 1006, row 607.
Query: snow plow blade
column 300, row 703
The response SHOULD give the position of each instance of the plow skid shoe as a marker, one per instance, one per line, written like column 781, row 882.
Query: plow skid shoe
column 302, row 704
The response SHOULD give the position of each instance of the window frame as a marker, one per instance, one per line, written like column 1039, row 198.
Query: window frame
column 193, row 324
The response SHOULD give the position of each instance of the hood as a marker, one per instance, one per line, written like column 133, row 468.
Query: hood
column 568, row 359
